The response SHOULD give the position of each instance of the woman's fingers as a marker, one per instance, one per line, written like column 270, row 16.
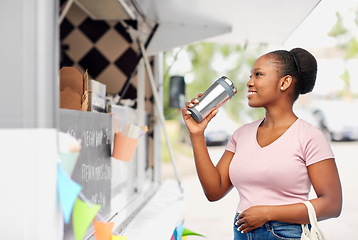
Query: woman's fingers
column 212, row 114
column 244, row 228
column 189, row 105
column 185, row 112
column 240, row 221
column 194, row 101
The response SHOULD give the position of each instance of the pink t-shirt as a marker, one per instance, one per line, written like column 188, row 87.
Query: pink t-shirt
column 276, row 174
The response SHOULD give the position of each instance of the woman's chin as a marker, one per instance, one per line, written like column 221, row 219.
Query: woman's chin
column 253, row 105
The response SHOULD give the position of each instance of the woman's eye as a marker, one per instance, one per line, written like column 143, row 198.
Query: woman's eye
column 258, row 74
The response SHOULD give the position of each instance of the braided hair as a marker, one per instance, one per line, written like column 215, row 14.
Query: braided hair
column 301, row 65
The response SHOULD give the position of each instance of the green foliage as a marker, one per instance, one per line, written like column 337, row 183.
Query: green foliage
column 225, row 50
column 201, row 58
column 345, row 92
column 338, row 29
column 352, row 48
column 347, row 41
column 345, row 78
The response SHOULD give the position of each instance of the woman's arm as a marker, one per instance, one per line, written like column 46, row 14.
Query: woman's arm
column 214, row 180
column 325, row 180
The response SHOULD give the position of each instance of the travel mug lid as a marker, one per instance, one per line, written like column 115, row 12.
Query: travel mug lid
column 229, row 86
column 195, row 114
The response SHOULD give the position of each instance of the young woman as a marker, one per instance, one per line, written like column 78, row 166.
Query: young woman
column 272, row 162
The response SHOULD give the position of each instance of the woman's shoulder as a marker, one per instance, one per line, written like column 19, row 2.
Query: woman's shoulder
column 314, row 143
column 308, row 131
column 304, row 125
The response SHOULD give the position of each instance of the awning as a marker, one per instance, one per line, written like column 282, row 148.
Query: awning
column 230, row 21
column 184, row 22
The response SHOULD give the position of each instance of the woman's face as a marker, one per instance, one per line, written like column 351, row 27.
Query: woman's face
column 263, row 86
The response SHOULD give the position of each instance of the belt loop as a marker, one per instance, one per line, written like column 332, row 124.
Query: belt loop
column 268, row 226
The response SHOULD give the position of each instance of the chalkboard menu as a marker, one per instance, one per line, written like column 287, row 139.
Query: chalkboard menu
column 93, row 168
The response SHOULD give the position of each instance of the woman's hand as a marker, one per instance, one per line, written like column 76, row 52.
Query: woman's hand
column 191, row 124
column 252, row 218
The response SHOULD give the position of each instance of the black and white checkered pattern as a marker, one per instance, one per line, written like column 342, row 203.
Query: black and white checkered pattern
column 102, row 47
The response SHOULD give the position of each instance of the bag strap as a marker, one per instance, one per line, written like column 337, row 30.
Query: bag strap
column 315, row 232
column 311, row 214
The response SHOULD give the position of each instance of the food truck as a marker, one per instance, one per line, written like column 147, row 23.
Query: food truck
column 86, row 69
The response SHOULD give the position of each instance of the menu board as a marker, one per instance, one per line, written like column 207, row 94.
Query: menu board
column 93, row 167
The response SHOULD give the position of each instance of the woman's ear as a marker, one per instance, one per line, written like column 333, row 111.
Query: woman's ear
column 285, row 82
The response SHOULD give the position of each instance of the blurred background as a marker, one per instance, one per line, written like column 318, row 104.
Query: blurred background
column 330, row 33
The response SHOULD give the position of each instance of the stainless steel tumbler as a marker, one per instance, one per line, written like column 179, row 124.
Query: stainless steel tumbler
column 221, row 91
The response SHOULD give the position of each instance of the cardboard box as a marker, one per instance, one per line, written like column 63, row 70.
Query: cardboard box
column 70, row 99
column 72, row 88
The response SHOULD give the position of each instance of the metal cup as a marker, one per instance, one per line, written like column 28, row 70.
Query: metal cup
column 221, row 91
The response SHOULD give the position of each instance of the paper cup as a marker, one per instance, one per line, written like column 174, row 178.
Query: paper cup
column 124, row 147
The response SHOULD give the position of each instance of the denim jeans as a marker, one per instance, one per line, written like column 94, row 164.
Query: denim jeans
column 270, row 231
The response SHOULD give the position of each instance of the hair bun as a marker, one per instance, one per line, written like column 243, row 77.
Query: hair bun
column 307, row 67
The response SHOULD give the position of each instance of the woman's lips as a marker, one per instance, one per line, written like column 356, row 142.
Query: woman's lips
column 251, row 93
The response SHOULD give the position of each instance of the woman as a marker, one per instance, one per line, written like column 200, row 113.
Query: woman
column 272, row 162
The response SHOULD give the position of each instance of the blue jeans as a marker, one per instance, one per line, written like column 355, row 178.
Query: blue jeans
column 270, row 231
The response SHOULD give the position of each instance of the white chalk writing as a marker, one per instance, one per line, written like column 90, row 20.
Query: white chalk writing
column 96, row 138
column 99, row 198
column 92, row 173
column 72, row 133
column 99, row 136
column 107, row 136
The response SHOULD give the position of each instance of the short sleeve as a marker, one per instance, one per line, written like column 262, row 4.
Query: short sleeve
column 231, row 145
column 315, row 146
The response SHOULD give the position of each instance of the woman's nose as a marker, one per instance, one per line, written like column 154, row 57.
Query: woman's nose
column 250, row 83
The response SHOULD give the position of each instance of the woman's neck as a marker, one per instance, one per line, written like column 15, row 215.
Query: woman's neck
column 279, row 117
